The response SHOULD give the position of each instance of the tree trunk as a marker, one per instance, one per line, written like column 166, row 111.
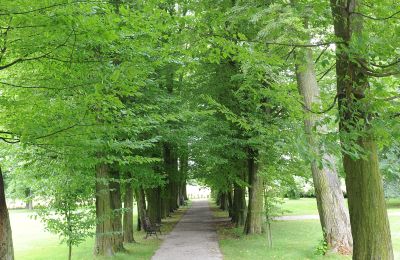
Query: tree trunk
column 128, row 214
column 28, row 198
column 368, row 215
column 116, row 208
column 254, row 220
column 139, row 222
column 141, row 204
column 223, row 201
column 69, row 251
column 184, row 166
column 230, row 202
column 164, row 202
column 331, row 206
column 171, row 168
column 239, row 205
column 154, row 205
column 104, row 238
column 6, row 242
column 184, row 191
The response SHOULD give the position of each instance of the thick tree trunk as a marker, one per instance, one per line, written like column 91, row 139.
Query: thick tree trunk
column 116, row 208
column 6, row 243
column 254, row 220
column 368, row 215
column 128, row 214
column 154, row 205
column 331, row 206
column 104, row 238
column 171, row 168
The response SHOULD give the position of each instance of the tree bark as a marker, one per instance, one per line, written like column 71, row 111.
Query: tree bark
column 141, row 204
column 116, row 208
column 6, row 242
column 331, row 206
column 223, row 201
column 128, row 214
column 104, row 238
column 171, row 169
column 239, row 205
column 230, row 202
column 154, row 205
column 184, row 166
column 254, row 220
column 368, row 215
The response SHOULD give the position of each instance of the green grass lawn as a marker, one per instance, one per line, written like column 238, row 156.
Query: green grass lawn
column 32, row 242
column 308, row 206
column 295, row 240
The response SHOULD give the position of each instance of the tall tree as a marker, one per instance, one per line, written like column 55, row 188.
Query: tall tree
column 331, row 206
column 255, row 212
column 368, row 215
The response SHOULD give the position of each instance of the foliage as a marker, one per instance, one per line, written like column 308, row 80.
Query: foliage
column 84, row 83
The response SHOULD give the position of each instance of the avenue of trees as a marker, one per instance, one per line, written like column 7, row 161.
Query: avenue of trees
column 107, row 102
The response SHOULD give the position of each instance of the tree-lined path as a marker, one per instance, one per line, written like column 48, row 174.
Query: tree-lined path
column 194, row 237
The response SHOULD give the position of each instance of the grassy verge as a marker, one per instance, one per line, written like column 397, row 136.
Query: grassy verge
column 296, row 239
column 308, row 206
column 31, row 242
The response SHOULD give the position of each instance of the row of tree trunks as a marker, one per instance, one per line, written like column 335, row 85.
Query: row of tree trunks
column 234, row 199
column 333, row 214
column 223, row 201
column 110, row 233
column 368, row 214
column 6, row 243
column 239, row 205
column 254, row 220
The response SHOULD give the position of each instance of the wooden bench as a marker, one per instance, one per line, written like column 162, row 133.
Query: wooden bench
column 150, row 228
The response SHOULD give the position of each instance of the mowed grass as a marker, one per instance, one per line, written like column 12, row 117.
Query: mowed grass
column 294, row 240
column 308, row 206
column 32, row 242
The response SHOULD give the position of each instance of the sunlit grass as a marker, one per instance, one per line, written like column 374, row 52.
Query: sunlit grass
column 308, row 206
column 296, row 239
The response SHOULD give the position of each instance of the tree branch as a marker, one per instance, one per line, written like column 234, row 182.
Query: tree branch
column 19, row 60
column 50, row 7
column 378, row 18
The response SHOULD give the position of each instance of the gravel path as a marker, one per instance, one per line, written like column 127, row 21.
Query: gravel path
column 194, row 237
